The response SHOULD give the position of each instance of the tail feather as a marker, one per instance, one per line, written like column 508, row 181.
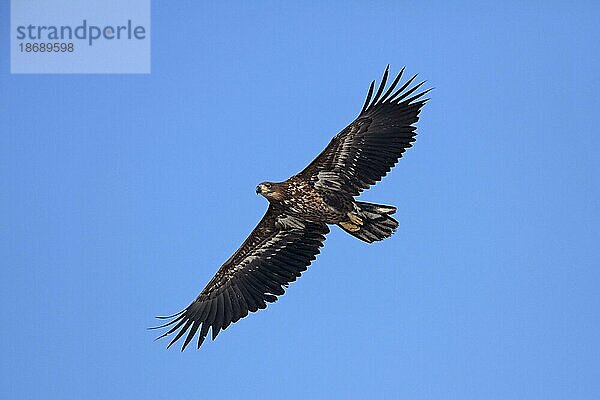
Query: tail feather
column 370, row 222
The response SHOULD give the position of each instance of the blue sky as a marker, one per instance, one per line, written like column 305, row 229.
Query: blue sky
column 122, row 194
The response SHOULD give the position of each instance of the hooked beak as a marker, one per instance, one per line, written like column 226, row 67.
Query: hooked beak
column 258, row 189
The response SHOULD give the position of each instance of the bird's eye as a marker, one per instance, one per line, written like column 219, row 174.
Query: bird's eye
column 268, row 185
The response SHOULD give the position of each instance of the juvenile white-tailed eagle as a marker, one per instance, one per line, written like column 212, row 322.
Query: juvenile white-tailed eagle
column 289, row 236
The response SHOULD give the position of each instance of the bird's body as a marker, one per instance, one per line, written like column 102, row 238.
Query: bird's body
column 289, row 236
column 299, row 198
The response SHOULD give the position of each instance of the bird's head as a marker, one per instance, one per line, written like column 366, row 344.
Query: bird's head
column 270, row 190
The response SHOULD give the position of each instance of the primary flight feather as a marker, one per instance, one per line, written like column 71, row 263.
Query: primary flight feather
column 290, row 234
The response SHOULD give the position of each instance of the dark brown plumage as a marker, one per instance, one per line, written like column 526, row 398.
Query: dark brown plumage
column 290, row 234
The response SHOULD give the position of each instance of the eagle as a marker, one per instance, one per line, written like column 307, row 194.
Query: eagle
column 292, row 231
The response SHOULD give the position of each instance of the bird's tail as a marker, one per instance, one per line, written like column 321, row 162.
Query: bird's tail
column 370, row 222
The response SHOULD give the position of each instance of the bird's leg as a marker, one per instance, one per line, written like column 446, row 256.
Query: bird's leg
column 349, row 226
column 353, row 224
column 355, row 219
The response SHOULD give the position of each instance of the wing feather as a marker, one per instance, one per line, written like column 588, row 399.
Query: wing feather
column 367, row 149
column 202, row 335
column 235, row 306
column 219, row 317
column 273, row 256
column 368, row 99
column 242, row 302
column 382, row 84
column 228, row 309
column 192, row 332
column 188, row 322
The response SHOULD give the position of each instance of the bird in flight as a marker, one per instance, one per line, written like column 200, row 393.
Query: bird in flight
column 290, row 234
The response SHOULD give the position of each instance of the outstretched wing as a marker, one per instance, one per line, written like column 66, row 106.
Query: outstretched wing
column 367, row 149
column 277, row 251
